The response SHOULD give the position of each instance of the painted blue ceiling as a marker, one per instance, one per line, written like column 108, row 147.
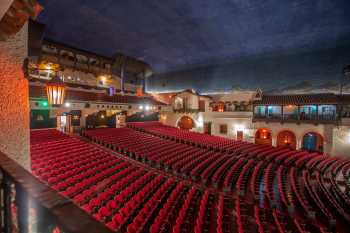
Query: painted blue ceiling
column 182, row 34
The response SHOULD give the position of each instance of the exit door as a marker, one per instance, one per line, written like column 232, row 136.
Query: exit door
column 64, row 123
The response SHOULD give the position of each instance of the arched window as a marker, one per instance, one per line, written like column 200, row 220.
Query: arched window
column 286, row 138
column 186, row 123
column 263, row 136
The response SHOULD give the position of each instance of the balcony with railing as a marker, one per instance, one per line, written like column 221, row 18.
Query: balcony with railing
column 231, row 107
column 185, row 110
column 291, row 113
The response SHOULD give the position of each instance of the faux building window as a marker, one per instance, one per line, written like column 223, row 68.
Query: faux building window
column 259, row 110
column 223, row 129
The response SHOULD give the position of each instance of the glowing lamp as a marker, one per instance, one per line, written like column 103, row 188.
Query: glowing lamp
column 56, row 91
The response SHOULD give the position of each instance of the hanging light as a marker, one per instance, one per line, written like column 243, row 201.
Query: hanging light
column 56, row 91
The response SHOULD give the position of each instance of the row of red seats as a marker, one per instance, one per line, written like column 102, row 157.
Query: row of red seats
column 124, row 196
column 207, row 166
column 205, row 141
column 272, row 174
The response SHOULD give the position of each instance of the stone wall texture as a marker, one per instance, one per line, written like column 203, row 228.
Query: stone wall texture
column 14, row 99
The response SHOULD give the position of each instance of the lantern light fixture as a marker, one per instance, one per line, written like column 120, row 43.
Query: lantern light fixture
column 56, row 91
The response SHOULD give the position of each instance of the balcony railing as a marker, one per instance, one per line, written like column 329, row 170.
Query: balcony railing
column 185, row 110
column 27, row 205
column 296, row 117
column 235, row 110
column 290, row 117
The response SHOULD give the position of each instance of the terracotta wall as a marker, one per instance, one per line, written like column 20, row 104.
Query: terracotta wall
column 14, row 99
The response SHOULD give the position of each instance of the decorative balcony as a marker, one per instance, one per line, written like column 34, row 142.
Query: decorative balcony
column 307, row 113
column 185, row 110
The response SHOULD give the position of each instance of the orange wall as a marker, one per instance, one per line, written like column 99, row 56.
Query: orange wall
column 14, row 99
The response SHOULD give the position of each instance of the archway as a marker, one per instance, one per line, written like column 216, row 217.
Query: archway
column 263, row 136
column 219, row 107
column 186, row 123
column 286, row 138
column 313, row 142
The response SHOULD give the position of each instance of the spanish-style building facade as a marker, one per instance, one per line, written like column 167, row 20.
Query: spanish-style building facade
column 314, row 122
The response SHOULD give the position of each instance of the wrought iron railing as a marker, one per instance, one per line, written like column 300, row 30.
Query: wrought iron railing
column 28, row 205
column 296, row 117
column 186, row 110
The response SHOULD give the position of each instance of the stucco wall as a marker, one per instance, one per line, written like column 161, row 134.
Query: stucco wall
column 336, row 139
column 4, row 6
column 326, row 131
column 235, row 121
column 341, row 141
column 14, row 99
column 192, row 100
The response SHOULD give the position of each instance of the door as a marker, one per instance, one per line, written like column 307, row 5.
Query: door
column 207, row 128
column 239, row 135
column 310, row 141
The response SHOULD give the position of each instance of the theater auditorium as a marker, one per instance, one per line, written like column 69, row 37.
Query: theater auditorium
column 225, row 116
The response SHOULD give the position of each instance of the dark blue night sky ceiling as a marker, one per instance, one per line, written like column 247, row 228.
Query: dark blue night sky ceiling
column 184, row 34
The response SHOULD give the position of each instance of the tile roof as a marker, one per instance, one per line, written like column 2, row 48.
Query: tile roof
column 40, row 92
column 326, row 98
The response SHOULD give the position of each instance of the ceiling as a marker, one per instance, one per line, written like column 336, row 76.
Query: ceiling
column 181, row 34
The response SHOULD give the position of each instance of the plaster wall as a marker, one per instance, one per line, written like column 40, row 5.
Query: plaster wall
column 14, row 98
column 326, row 131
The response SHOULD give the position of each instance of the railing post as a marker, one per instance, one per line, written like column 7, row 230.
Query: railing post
column 282, row 114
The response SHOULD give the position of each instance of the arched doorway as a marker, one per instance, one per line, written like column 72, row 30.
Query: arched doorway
column 186, row 123
column 313, row 142
column 263, row 136
column 286, row 138
column 219, row 107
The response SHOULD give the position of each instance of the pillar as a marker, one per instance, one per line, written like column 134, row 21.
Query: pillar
column 14, row 98
column 274, row 141
column 299, row 143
